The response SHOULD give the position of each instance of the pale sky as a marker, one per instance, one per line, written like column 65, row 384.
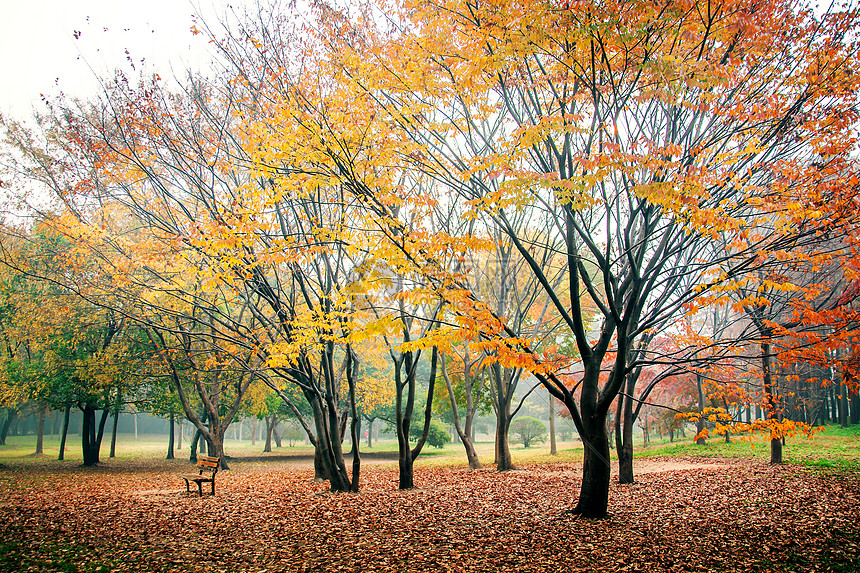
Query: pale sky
column 38, row 46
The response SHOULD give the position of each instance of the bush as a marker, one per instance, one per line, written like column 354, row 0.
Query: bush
column 528, row 430
column 437, row 436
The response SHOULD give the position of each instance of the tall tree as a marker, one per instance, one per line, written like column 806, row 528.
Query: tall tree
column 644, row 131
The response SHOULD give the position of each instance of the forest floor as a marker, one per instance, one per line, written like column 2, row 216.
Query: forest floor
column 682, row 514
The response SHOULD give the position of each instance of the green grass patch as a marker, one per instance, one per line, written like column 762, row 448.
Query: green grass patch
column 831, row 448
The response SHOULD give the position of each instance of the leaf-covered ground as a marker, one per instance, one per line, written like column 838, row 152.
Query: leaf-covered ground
column 731, row 516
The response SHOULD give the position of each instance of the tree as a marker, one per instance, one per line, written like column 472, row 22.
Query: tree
column 629, row 124
column 528, row 430
column 468, row 390
column 437, row 436
column 77, row 351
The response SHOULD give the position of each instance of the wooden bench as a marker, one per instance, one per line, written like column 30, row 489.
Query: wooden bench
column 207, row 468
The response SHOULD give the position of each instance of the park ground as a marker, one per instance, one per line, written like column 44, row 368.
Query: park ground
column 720, row 507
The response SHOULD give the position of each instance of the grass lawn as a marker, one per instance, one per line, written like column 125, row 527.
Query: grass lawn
column 719, row 507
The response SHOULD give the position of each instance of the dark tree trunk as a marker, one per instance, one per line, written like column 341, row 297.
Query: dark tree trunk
column 171, row 436
column 11, row 415
column 502, row 388
column 116, row 410
column 625, row 452
column 65, row 431
column 40, row 431
column 594, row 492
column 406, row 478
column 855, row 409
column 403, row 416
column 320, row 473
column 776, row 450
column 504, row 461
column 113, row 432
column 843, row 404
column 88, row 435
column 356, row 420
column 91, row 434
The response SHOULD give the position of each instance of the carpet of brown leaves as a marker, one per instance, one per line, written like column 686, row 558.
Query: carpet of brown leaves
column 731, row 516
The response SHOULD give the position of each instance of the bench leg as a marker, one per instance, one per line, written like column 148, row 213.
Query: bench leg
column 200, row 488
column 213, row 486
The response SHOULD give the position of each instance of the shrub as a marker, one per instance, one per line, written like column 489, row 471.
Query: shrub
column 527, row 430
column 437, row 436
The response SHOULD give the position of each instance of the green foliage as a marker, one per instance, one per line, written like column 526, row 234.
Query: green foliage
column 442, row 401
column 437, row 436
column 528, row 430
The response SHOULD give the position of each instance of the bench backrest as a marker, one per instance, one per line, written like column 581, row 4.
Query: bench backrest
column 207, row 464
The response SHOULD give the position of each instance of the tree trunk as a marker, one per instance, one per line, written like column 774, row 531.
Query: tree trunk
column 553, row 450
column 464, row 434
column 767, row 380
column 843, row 404
column 328, row 456
column 504, row 461
column 65, row 431
column 855, row 409
column 369, row 433
column 40, row 431
column 11, row 415
column 320, row 473
column 276, row 435
column 406, row 479
column 113, row 431
column 356, row 420
column 195, row 441
column 269, row 427
column 403, row 420
column 625, row 452
column 594, row 492
column 700, row 423
column 216, row 444
column 171, row 436
column 89, row 444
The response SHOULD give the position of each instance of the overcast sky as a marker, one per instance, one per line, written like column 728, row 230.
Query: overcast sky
column 39, row 49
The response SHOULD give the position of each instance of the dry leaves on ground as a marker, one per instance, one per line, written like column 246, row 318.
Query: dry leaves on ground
column 730, row 517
